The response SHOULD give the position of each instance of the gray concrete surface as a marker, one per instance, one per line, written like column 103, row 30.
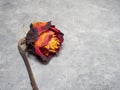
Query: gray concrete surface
column 90, row 58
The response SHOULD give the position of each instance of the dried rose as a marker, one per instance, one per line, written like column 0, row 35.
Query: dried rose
column 44, row 40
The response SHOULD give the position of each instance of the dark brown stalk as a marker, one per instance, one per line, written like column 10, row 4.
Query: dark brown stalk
column 22, row 52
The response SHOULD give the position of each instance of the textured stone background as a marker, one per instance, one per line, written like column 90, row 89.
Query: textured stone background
column 90, row 58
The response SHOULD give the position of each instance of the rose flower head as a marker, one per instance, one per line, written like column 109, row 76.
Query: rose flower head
column 44, row 40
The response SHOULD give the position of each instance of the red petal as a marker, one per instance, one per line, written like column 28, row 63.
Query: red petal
column 60, row 37
column 55, row 29
column 38, row 52
column 58, row 33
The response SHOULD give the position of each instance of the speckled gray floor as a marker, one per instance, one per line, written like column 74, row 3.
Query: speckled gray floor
column 90, row 58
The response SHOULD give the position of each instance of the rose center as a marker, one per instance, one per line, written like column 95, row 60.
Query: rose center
column 49, row 41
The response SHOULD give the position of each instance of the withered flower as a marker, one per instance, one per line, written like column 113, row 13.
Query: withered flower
column 44, row 40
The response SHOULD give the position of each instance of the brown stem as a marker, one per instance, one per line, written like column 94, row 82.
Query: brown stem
column 22, row 52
